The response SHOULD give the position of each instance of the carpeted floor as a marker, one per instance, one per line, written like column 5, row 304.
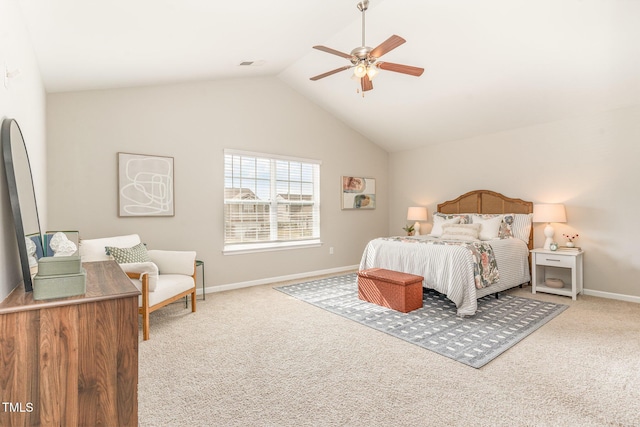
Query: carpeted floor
column 257, row 357
column 476, row 340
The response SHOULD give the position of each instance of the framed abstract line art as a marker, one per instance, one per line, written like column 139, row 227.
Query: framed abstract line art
column 145, row 185
column 358, row 192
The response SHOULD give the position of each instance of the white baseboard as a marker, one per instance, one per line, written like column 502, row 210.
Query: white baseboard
column 611, row 295
column 239, row 285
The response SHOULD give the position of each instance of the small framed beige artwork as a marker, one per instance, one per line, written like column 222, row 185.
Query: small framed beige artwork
column 358, row 192
column 145, row 185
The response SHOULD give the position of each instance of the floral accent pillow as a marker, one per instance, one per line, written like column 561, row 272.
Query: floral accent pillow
column 464, row 218
column 506, row 231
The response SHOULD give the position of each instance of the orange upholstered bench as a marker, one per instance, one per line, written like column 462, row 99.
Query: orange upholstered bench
column 392, row 289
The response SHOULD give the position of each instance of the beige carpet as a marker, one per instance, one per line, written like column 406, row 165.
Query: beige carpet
column 257, row 357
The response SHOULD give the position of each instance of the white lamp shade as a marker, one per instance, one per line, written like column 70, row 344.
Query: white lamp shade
column 549, row 213
column 417, row 213
column 553, row 212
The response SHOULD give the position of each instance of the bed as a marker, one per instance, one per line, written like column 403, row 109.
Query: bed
column 464, row 268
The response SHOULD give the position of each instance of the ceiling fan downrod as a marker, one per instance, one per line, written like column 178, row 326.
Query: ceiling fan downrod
column 360, row 54
column 362, row 7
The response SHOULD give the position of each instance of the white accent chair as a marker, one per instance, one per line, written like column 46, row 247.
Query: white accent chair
column 170, row 276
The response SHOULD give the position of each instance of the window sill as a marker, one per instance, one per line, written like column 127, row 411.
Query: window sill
column 268, row 247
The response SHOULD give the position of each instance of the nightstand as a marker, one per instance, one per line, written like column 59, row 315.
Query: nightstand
column 560, row 264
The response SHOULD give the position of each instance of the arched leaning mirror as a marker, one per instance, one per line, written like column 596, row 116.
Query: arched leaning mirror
column 23, row 199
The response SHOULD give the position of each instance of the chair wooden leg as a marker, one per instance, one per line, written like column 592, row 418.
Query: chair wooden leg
column 145, row 307
column 193, row 294
column 145, row 325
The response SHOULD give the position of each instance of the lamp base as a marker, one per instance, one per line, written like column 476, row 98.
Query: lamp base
column 548, row 232
column 416, row 228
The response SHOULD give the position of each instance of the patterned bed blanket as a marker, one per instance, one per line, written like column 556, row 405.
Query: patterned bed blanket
column 453, row 268
column 485, row 267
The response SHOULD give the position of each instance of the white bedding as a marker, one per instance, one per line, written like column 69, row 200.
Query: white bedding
column 449, row 268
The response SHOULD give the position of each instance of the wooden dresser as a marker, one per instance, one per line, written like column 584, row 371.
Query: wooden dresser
column 71, row 361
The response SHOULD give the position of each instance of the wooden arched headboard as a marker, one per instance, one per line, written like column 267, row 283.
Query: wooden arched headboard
column 487, row 202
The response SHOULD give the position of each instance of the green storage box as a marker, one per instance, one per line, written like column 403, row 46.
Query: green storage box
column 55, row 266
column 59, row 286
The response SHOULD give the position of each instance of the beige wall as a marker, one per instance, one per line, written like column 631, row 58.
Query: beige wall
column 589, row 163
column 194, row 123
column 24, row 101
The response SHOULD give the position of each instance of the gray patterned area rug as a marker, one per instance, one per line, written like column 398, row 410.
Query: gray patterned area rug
column 474, row 340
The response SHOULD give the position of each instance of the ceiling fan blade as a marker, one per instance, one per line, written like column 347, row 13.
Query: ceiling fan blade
column 366, row 83
column 328, row 73
column 387, row 46
column 333, row 51
column 399, row 68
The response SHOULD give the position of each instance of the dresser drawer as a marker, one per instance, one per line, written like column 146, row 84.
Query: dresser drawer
column 555, row 260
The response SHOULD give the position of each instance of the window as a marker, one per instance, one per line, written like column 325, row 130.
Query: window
column 270, row 201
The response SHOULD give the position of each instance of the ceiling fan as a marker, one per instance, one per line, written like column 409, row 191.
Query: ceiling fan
column 364, row 60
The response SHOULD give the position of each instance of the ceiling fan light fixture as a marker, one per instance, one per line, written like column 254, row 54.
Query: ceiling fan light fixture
column 372, row 71
column 360, row 70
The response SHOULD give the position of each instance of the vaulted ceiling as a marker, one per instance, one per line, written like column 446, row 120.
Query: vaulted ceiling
column 490, row 65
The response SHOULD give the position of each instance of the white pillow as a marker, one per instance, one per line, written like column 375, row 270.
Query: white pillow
column 438, row 222
column 94, row 249
column 490, row 227
column 462, row 232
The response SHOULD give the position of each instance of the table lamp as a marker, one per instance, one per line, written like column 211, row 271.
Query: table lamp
column 549, row 213
column 417, row 214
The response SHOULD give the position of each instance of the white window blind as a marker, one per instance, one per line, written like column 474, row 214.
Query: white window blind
column 270, row 199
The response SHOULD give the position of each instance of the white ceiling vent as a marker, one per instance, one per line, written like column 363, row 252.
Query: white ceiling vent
column 252, row 63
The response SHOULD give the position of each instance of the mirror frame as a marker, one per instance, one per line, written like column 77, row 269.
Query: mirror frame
column 7, row 153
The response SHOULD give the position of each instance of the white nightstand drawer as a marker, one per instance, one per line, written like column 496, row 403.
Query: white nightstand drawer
column 554, row 260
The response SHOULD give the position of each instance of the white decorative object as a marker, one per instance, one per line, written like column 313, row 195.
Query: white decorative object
column 61, row 245
column 417, row 214
column 31, row 252
column 549, row 213
column 554, row 283
column 570, row 239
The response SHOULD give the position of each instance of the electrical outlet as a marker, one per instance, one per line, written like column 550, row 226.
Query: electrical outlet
column 331, row 250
